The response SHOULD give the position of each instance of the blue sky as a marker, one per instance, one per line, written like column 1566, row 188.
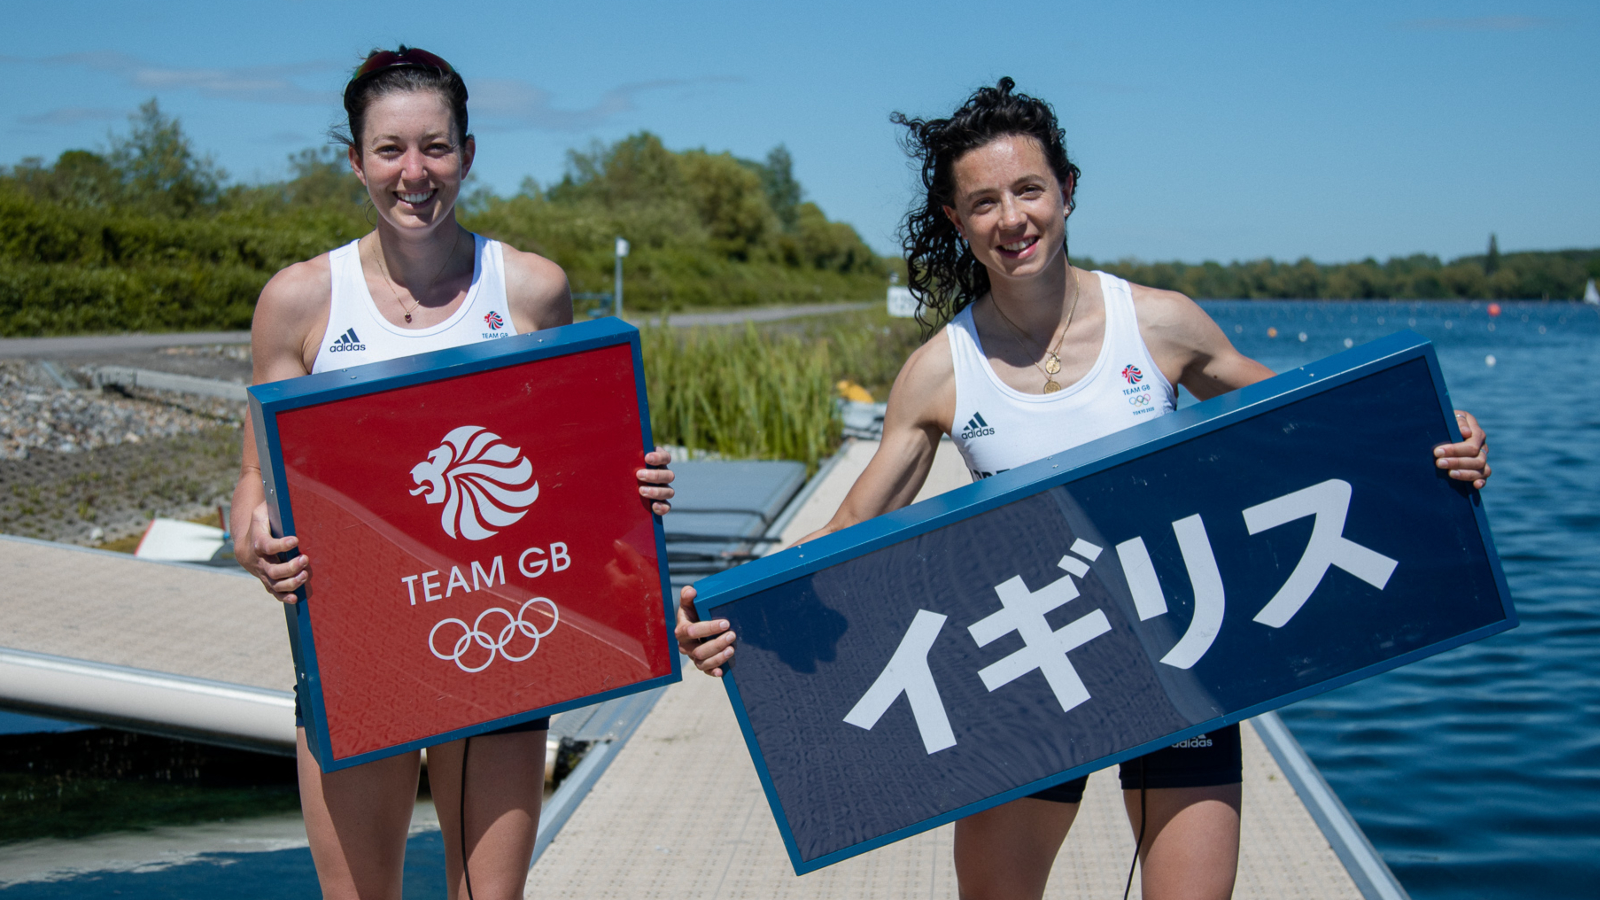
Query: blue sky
column 1220, row 130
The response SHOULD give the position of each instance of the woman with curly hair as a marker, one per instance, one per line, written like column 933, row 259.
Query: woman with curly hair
column 1039, row 346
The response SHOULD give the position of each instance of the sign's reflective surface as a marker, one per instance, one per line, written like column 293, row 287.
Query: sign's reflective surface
column 1197, row 579
column 480, row 548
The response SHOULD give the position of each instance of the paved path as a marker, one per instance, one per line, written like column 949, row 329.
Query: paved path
column 681, row 813
column 90, row 345
column 760, row 314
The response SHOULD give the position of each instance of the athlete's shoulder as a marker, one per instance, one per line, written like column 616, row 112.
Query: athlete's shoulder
column 297, row 294
column 925, row 388
column 1176, row 331
column 536, row 290
column 290, row 318
column 931, row 362
column 1155, row 306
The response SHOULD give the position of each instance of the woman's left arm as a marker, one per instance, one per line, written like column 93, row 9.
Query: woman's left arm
column 1186, row 343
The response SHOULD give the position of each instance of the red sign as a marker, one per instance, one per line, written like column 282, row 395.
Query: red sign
column 480, row 549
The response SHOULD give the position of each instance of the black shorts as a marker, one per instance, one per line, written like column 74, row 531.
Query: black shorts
column 1205, row 760
column 534, row 725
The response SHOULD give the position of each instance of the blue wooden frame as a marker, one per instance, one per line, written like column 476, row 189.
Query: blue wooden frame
column 1064, row 468
column 268, row 400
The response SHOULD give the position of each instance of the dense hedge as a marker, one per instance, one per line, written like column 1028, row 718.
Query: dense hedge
column 69, row 298
column 87, row 244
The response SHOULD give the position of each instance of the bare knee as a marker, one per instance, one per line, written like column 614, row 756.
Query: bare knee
column 1191, row 841
column 1005, row 853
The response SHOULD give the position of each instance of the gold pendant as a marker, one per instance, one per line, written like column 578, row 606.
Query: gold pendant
column 1050, row 386
column 1052, row 364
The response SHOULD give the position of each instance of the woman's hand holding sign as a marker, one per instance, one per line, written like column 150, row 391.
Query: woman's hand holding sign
column 1469, row 459
column 708, row 644
column 653, row 481
column 259, row 553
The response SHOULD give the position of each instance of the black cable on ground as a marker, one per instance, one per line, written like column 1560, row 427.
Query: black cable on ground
column 1138, row 844
column 466, row 745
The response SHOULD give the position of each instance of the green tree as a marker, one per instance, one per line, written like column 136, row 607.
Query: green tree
column 783, row 191
column 79, row 179
column 1491, row 262
column 730, row 202
column 160, row 170
column 320, row 176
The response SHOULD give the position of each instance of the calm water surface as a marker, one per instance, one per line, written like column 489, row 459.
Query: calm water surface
column 1476, row 773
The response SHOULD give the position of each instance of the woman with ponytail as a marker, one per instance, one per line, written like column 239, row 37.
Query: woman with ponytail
column 417, row 282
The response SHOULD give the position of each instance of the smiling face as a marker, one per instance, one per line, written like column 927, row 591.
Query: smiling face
column 409, row 158
column 1009, row 206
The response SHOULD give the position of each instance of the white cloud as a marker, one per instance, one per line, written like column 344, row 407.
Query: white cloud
column 500, row 103
column 257, row 84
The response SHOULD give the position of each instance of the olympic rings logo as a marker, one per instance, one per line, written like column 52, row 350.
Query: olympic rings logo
column 495, row 644
column 1139, row 400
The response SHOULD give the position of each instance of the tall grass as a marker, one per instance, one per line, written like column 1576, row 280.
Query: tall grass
column 768, row 393
column 867, row 346
column 742, row 393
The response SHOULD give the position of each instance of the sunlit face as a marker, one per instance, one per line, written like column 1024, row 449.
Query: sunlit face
column 409, row 159
column 1009, row 206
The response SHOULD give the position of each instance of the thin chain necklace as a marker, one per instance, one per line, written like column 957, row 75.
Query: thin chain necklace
column 1052, row 361
column 377, row 253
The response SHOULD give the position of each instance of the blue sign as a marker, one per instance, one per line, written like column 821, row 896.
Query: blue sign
column 1167, row 580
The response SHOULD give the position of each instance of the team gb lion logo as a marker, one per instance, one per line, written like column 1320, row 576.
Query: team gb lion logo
column 483, row 484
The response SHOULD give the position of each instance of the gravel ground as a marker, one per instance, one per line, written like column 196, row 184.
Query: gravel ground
column 86, row 466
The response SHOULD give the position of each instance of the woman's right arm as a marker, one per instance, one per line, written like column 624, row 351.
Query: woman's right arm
column 284, row 335
column 921, row 406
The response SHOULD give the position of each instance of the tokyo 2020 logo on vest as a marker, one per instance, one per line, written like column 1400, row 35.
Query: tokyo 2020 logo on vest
column 484, row 484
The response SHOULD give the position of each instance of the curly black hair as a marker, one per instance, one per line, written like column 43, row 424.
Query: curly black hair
column 945, row 277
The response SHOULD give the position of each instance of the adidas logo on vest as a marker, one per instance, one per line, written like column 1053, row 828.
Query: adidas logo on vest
column 347, row 342
column 976, row 428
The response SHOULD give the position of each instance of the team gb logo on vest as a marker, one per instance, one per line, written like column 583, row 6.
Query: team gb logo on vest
column 483, row 483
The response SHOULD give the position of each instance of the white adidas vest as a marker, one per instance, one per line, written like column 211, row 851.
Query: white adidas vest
column 357, row 333
column 997, row 427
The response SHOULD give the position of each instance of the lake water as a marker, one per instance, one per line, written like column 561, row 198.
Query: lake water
column 1476, row 773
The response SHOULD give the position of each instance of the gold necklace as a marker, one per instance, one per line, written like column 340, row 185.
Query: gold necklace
column 1052, row 361
column 377, row 253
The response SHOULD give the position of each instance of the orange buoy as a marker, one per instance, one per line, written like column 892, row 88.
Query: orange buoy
column 1494, row 309
column 1272, row 332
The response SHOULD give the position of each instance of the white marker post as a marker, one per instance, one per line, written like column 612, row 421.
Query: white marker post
column 622, row 250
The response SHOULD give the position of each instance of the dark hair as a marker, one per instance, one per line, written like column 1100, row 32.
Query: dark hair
column 401, row 77
column 944, row 275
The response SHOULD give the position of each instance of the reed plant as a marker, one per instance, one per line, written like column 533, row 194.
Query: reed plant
column 768, row 392
column 742, row 393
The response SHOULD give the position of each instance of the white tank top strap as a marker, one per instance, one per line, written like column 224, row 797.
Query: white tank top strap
column 997, row 427
column 357, row 333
